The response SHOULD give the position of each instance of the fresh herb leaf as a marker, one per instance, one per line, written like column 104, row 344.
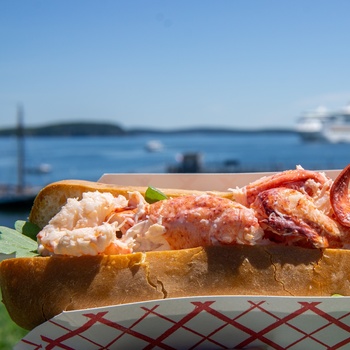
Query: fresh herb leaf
column 153, row 195
column 13, row 242
column 27, row 228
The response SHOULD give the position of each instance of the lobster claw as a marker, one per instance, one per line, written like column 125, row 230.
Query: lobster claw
column 339, row 197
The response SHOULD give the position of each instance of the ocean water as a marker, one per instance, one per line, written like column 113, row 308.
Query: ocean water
column 89, row 157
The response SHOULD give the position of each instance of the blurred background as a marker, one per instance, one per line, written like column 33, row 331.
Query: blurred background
column 90, row 87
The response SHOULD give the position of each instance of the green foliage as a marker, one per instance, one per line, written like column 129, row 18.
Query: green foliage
column 18, row 242
column 27, row 228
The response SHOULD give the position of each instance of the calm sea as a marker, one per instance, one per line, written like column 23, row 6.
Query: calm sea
column 89, row 157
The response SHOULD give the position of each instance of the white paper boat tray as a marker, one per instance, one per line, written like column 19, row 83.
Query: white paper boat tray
column 201, row 323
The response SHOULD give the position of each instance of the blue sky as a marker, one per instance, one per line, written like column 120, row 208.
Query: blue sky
column 173, row 64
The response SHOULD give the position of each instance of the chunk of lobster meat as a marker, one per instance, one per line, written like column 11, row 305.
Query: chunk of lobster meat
column 339, row 197
column 312, row 183
column 291, row 217
column 205, row 220
column 82, row 227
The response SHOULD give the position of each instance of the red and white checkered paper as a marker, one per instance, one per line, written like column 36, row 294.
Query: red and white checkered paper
column 201, row 323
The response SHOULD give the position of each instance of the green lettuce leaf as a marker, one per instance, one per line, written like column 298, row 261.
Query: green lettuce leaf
column 27, row 228
column 18, row 243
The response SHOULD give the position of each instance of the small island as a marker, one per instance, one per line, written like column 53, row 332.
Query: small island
column 72, row 129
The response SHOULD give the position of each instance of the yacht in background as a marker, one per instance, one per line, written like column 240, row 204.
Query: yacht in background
column 154, row 146
column 326, row 126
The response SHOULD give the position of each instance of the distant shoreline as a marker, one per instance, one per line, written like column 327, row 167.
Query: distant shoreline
column 106, row 129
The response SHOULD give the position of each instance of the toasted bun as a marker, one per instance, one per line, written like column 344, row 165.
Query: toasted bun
column 36, row 289
column 52, row 197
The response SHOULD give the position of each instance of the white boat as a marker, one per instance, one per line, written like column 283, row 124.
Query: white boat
column 322, row 125
column 154, row 146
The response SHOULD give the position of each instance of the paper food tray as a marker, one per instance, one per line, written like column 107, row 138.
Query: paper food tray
column 201, row 323
column 200, row 182
column 224, row 322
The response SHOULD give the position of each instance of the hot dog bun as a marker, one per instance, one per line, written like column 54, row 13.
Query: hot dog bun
column 36, row 289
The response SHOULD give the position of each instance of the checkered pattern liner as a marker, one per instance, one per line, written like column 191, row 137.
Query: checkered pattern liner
column 201, row 323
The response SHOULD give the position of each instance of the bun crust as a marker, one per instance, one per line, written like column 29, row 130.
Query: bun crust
column 36, row 289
